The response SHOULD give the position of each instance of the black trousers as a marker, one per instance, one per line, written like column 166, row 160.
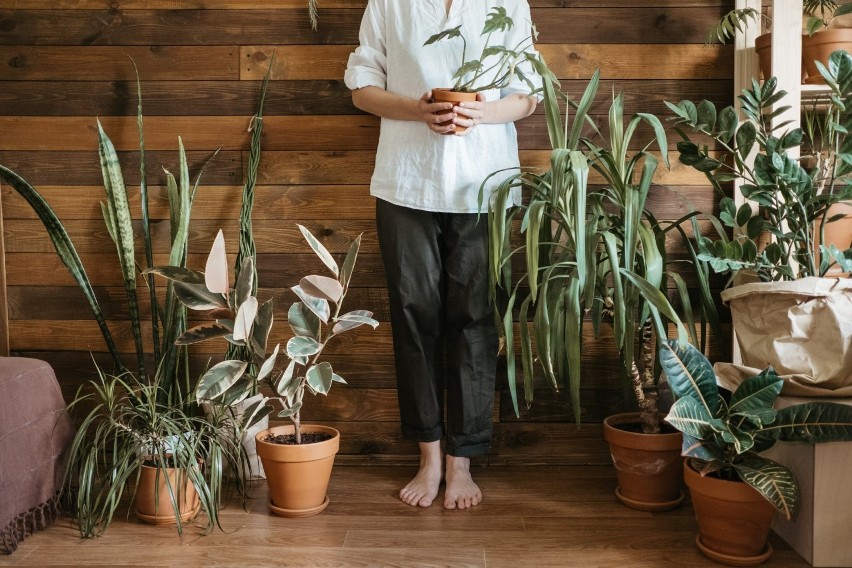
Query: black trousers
column 443, row 325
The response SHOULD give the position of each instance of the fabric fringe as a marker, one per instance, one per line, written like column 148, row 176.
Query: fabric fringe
column 25, row 524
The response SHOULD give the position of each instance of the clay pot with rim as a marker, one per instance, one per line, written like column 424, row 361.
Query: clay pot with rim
column 763, row 48
column 298, row 475
column 733, row 519
column 819, row 47
column 455, row 97
column 153, row 501
column 647, row 466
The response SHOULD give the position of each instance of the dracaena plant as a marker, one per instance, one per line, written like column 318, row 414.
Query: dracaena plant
column 242, row 320
column 725, row 436
column 496, row 64
column 783, row 198
column 587, row 251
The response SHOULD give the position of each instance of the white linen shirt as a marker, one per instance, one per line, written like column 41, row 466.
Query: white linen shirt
column 416, row 167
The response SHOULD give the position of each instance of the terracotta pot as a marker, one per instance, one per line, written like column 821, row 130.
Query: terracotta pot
column 647, row 466
column 298, row 475
column 733, row 519
column 837, row 233
column 450, row 96
column 819, row 47
column 763, row 47
column 153, row 501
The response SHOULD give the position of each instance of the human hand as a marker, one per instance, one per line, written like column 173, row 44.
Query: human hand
column 469, row 114
column 437, row 116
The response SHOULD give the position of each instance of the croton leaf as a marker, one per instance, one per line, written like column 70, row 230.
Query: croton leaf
column 691, row 375
column 812, row 422
column 772, row 480
column 690, row 417
column 756, row 393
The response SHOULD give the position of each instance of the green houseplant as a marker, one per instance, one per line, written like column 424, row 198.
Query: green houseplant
column 296, row 490
column 723, row 439
column 495, row 66
column 589, row 251
column 779, row 232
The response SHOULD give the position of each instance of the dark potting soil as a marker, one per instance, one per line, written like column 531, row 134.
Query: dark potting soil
column 290, row 439
column 636, row 427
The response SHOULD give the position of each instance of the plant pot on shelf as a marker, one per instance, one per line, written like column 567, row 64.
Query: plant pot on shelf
column 733, row 519
column 153, row 496
column 819, row 47
column 647, row 466
column 455, row 97
column 763, row 47
column 298, row 475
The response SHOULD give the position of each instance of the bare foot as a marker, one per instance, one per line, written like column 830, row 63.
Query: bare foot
column 422, row 490
column 462, row 492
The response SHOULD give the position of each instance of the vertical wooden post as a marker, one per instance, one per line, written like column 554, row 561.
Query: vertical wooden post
column 4, row 312
column 786, row 60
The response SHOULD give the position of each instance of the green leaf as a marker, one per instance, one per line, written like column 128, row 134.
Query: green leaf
column 219, row 379
column 349, row 262
column 291, row 411
column 691, row 375
column 690, row 417
column 756, row 393
column 772, row 480
column 262, row 326
column 198, row 297
column 812, row 422
column 284, row 383
column 445, row 34
column 320, row 251
column 245, row 281
column 707, row 115
column 303, row 321
column 728, row 122
column 302, row 347
column 746, row 136
column 319, row 377
column 268, row 365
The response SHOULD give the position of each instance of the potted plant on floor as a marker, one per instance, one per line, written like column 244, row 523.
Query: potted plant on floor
column 735, row 491
column 785, row 319
column 297, row 458
column 591, row 252
column 496, row 66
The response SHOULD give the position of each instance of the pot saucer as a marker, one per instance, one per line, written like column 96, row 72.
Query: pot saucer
column 731, row 560
column 649, row 506
column 170, row 518
column 299, row 512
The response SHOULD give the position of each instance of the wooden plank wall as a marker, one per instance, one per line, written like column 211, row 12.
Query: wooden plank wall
column 65, row 62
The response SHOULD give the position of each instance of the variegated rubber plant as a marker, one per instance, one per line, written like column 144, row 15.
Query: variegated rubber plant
column 726, row 438
column 588, row 252
column 243, row 321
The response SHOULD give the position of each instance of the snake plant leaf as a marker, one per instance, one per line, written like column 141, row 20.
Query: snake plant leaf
column 216, row 268
column 320, row 251
column 302, row 347
column 303, row 321
column 202, row 332
column 319, row 377
column 219, row 379
column 756, row 393
column 65, row 250
column 353, row 319
column 322, row 287
column 262, row 326
column 269, row 364
column 690, row 375
column 772, row 480
column 245, row 319
column 318, row 306
column 349, row 262
column 812, row 422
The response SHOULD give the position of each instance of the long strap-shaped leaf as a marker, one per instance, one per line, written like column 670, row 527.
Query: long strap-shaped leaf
column 119, row 211
column 65, row 249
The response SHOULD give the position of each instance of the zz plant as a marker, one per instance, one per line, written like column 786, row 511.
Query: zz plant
column 725, row 436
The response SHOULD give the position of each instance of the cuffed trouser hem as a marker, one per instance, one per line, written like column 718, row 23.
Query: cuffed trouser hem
column 419, row 435
column 469, row 451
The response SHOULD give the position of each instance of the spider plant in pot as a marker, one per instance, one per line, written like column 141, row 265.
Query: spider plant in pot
column 736, row 491
column 171, row 460
column 297, row 458
column 588, row 250
column 789, row 318
column 504, row 56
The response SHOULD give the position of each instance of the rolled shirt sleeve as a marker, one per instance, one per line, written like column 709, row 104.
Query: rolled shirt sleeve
column 367, row 65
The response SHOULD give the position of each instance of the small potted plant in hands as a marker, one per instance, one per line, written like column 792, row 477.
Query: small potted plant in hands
column 297, row 458
column 495, row 67
column 735, row 490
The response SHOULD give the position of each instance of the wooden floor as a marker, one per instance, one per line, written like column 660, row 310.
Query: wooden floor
column 535, row 516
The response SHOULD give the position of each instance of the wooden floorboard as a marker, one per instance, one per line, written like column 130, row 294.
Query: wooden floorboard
column 531, row 516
